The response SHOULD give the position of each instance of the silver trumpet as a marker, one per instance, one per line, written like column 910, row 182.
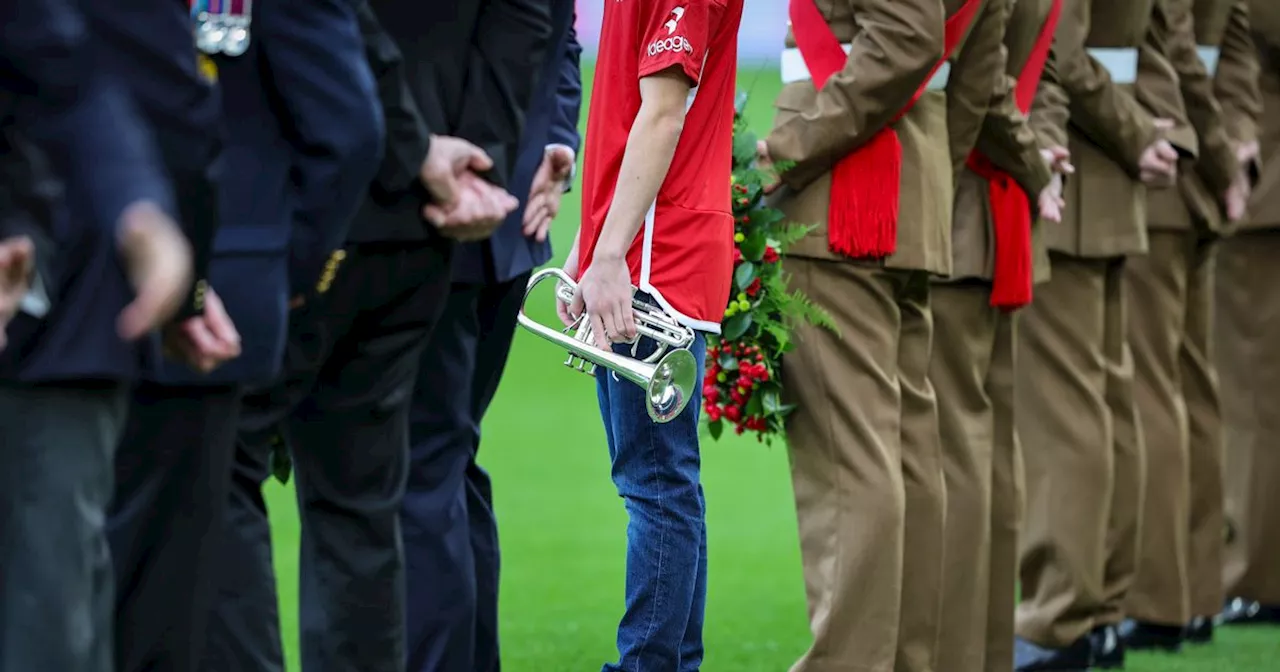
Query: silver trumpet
column 668, row 375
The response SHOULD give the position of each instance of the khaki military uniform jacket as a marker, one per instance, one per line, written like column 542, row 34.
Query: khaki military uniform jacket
column 1108, row 130
column 1264, row 207
column 894, row 45
column 1222, row 25
column 1003, row 135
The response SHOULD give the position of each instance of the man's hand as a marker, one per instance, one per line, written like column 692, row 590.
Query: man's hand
column 1159, row 161
column 480, row 208
column 204, row 342
column 764, row 161
column 17, row 262
column 1051, row 203
column 447, row 161
column 1058, row 158
column 1247, row 152
column 546, row 192
column 157, row 259
column 1237, row 195
column 605, row 293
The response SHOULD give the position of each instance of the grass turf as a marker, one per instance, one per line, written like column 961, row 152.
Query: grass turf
column 562, row 526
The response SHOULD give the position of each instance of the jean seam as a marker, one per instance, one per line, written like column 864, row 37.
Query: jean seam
column 662, row 552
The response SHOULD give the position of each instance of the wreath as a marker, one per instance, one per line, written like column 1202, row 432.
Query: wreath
column 742, row 388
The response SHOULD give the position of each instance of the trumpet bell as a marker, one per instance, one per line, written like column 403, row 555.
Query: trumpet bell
column 670, row 385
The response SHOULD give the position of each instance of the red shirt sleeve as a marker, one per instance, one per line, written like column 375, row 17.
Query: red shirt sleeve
column 676, row 33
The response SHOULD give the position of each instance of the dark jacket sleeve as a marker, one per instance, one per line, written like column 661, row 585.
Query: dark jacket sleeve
column 316, row 56
column 75, row 114
column 564, row 126
column 408, row 138
column 509, row 47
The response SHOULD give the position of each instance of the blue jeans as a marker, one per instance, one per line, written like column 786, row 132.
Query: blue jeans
column 656, row 470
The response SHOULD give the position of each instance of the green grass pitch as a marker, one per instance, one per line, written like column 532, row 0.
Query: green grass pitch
column 562, row 525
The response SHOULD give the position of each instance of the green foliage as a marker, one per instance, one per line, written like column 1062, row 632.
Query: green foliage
column 762, row 312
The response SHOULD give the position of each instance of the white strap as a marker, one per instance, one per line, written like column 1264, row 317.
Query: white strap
column 1121, row 62
column 795, row 70
column 1209, row 56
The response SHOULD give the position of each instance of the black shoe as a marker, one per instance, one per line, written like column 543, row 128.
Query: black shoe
column 1029, row 657
column 1199, row 630
column 1143, row 636
column 1240, row 611
column 1108, row 648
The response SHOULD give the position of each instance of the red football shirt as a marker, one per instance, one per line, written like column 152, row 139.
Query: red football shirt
column 683, row 256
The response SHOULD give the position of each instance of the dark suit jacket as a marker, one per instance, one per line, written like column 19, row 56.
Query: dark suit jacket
column 304, row 137
column 552, row 118
column 56, row 92
column 468, row 68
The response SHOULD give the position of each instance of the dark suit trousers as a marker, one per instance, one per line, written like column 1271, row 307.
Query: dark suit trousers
column 342, row 409
column 450, row 534
column 56, row 444
column 173, row 468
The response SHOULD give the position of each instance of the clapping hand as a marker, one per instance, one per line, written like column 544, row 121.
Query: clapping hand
column 17, row 261
column 447, row 161
column 546, row 192
column 478, row 209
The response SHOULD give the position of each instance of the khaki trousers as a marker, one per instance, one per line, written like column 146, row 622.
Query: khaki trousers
column 1170, row 295
column 866, row 470
column 1083, row 452
column 1248, row 303
column 972, row 371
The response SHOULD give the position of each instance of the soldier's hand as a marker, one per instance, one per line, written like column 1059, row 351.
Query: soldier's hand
column 17, row 262
column 1058, row 158
column 480, row 209
column 1247, row 152
column 206, row 341
column 447, row 161
column 764, row 161
column 1159, row 161
column 157, row 259
column 545, row 194
column 1051, row 202
column 1237, row 196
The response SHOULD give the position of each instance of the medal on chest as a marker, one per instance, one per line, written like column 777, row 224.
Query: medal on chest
column 222, row 26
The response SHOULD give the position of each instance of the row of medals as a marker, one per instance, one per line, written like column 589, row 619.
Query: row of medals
column 226, row 34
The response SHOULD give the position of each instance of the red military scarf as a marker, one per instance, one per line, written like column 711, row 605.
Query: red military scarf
column 863, row 215
column 1010, row 205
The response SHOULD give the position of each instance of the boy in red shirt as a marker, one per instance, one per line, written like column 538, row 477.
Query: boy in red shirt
column 656, row 215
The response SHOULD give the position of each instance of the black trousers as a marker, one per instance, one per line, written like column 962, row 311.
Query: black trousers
column 173, row 469
column 342, row 410
column 56, row 443
column 450, row 533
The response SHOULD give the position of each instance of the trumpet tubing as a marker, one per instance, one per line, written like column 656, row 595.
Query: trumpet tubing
column 668, row 375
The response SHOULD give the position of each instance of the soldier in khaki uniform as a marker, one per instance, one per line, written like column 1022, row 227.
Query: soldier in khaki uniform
column 1170, row 290
column 972, row 368
column 872, row 169
column 1248, row 321
column 1076, row 418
